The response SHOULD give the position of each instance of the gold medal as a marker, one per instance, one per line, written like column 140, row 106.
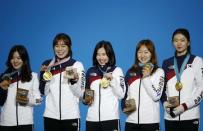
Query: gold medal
column 179, row 86
column 147, row 65
column 104, row 83
column 47, row 75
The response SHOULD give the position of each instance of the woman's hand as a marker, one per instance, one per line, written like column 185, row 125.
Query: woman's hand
column 44, row 68
column 108, row 76
column 146, row 71
column 5, row 84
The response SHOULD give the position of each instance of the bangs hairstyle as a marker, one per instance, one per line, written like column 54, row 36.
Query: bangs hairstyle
column 184, row 32
column 150, row 46
column 66, row 39
column 26, row 75
column 109, row 52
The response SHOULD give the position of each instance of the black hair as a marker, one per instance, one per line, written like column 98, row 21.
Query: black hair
column 26, row 73
column 150, row 46
column 109, row 51
column 67, row 40
column 184, row 32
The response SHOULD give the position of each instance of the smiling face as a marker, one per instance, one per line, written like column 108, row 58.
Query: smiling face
column 181, row 44
column 143, row 54
column 16, row 61
column 102, row 57
column 61, row 49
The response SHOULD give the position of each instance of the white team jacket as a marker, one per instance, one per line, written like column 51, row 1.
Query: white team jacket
column 192, row 91
column 62, row 98
column 146, row 97
column 106, row 101
column 11, row 114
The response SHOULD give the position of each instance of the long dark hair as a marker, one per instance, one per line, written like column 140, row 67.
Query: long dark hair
column 67, row 40
column 109, row 51
column 184, row 32
column 150, row 46
column 26, row 73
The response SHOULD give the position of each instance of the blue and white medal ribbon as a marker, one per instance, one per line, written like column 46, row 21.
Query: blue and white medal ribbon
column 179, row 85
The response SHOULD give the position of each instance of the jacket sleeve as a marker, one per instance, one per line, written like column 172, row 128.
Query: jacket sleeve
column 197, row 93
column 118, row 83
column 126, row 92
column 42, row 82
column 3, row 94
column 87, row 86
column 164, row 93
column 78, row 87
column 34, row 96
column 154, row 84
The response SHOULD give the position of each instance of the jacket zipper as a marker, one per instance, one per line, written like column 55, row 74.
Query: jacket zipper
column 179, row 104
column 60, row 95
column 99, row 103
column 17, row 104
column 138, row 116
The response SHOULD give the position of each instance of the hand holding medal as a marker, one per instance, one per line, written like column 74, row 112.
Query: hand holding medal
column 71, row 74
column 6, row 79
column 147, row 69
column 88, row 96
column 5, row 82
column 130, row 106
column 105, row 81
column 173, row 102
column 47, row 73
column 47, row 76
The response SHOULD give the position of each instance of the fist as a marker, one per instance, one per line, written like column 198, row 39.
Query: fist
column 5, row 84
column 108, row 76
column 44, row 68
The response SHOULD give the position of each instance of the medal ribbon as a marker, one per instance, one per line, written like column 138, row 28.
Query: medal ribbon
column 104, row 72
column 178, row 74
column 47, row 74
column 57, row 63
column 104, row 82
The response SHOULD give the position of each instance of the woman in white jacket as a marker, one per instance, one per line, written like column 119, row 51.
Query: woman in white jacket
column 145, row 81
column 19, row 92
column 107, row 82
column 61, row 81
column 184, row 80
